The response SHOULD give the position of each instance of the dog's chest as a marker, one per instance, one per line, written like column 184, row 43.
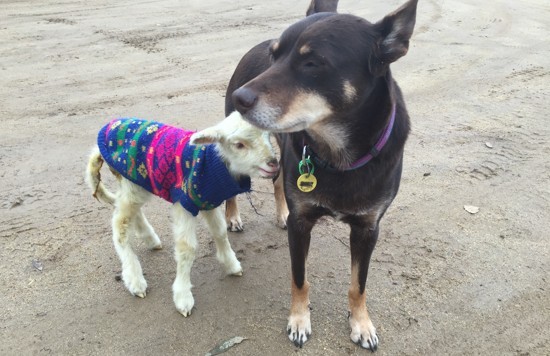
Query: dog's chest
column 341, row 208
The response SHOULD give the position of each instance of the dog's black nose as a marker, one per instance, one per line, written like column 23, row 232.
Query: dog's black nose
column 244, row 99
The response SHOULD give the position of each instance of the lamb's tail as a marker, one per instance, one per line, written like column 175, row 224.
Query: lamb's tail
column 93, row 178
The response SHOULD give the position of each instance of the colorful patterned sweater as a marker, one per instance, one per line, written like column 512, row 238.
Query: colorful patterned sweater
column 160, row 159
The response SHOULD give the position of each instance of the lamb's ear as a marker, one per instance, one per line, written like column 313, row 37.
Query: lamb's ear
column 395, row 31
column 206, row 137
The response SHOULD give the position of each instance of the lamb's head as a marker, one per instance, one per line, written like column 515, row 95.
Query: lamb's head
column 245, row 149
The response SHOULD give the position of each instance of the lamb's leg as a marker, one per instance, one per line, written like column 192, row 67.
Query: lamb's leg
column 145, row 231
column 185, row 245
column 225, row 254
column 126, row 208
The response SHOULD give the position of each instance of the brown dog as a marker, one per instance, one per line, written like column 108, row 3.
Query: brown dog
column 326, row 88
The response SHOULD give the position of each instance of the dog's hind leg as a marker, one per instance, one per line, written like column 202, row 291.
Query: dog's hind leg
column 126, row 208
column 145, row 231
column 280, row 200
column 299, row 236
column 363, row 238
column 225, row 254
column 185, row 237
column 232, row 215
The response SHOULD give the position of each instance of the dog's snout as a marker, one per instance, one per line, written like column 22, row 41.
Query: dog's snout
column 244, row 99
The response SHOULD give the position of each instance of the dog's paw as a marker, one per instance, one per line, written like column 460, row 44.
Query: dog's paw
column 184, row 302
column 235, row 224
column 363, row 333
column 281, row 221
column 299, row 329
column 282, row 216
column 136, row 284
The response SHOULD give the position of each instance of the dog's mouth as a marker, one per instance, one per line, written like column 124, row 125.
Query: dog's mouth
column 274, row 124
column 305, row 110
column 294, row 127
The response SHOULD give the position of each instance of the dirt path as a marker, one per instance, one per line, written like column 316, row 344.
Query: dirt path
column 442, row 281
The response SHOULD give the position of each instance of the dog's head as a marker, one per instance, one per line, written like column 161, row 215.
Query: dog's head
column 325, row 64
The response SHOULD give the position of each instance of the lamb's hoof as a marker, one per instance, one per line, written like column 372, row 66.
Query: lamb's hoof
column 152, row 241
column 238, row 274
column 185, row 313
column 136, row 285
column 235, row 269
column 156, row 247
column 184, row 302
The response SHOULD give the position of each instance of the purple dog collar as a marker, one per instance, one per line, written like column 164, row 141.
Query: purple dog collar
column 363, row 160
column 377, row 147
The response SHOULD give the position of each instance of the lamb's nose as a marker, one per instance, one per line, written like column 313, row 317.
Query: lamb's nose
column 273, row 164
column 244, row 99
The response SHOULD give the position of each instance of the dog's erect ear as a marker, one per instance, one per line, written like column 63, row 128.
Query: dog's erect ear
column 206, row 137
column 395, row 31
column 316, row 6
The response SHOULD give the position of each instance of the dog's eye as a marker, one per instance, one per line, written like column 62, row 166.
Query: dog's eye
column 311, row 64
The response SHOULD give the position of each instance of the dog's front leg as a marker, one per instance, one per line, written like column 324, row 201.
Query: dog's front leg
column 299, row 236
column 185, row 245
column 362, row 241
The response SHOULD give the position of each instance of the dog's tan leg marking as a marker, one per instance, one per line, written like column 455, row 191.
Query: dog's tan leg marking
column 363, row 331
column 299, row 323
column 132, row 274
column 145, row 231
column 232, row 215
column 185, row 246
column 280, row 200
column 225, row 254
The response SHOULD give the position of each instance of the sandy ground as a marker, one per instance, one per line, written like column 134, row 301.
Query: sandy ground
column 442, row 280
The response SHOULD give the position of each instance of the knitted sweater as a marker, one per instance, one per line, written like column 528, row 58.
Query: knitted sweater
column 160, row 159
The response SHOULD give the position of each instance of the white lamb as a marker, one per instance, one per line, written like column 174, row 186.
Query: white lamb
column 194, row 171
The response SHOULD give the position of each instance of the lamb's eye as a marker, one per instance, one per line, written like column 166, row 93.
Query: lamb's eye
column 239, row 145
